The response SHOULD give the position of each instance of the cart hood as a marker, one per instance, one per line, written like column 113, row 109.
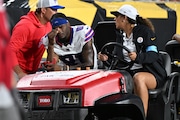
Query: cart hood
column 61, row 79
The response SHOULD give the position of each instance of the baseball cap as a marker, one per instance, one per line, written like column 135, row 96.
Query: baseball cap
column 49, row 3
column 127, row 10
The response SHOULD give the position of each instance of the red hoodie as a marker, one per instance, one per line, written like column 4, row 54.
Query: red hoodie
column 26, row 42
column 5, row 53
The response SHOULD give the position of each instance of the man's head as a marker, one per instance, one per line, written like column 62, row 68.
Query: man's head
column 47, row 8
column 59, row 21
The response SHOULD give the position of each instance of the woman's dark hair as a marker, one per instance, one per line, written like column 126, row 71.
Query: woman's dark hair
column 147, row 22
column 129, row 19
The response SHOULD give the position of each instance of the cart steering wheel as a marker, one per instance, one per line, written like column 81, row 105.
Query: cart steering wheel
column 114, row 61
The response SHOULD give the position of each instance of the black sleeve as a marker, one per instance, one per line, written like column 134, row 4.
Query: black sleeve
column 148, row 55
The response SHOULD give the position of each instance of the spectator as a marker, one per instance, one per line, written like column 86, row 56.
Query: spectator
column 9, row 107
column 73, row 45
column 176, row 37
column 26, row 37
column 138, row 35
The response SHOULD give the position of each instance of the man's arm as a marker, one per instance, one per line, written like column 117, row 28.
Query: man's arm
column 88, row 54
column 17, row 41
column 51, row 38
column 52, row 58
column 88, row 57
column 19, row 72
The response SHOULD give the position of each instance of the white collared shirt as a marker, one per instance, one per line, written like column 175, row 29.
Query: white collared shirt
column 128, row 42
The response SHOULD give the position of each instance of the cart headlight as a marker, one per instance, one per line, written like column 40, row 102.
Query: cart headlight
column 24, row 98
column 71, row 97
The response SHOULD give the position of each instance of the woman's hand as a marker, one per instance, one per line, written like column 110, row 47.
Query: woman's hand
column 102, row 57
column 132, row 56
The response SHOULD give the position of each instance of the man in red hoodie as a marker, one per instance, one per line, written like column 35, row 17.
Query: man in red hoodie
column 26, row 42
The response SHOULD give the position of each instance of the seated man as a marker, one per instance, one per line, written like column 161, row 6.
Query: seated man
column 72, row 45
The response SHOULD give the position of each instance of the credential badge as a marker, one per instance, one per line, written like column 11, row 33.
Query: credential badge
column 139, row 39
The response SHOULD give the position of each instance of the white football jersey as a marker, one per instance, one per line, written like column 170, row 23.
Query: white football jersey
column 71, row 54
